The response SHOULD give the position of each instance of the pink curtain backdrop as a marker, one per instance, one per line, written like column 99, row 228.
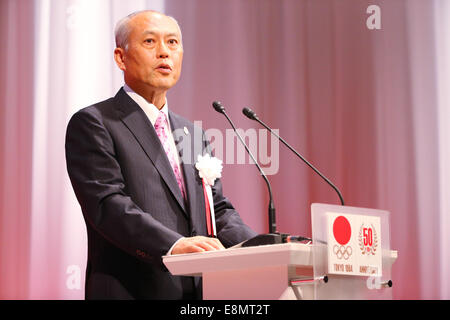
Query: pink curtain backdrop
column 370, row 109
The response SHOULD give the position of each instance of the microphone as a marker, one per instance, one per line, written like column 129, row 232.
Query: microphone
column 249, row 113
column 273, row 236
column 217, row 105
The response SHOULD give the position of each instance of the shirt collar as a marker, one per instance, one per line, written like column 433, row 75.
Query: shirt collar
column 150, row 109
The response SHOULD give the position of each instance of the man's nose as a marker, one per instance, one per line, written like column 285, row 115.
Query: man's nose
column 162, row 50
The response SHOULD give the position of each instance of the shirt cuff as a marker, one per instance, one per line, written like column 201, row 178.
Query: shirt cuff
column 171, row 248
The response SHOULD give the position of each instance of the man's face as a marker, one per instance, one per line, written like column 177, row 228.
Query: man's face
column 155, row 52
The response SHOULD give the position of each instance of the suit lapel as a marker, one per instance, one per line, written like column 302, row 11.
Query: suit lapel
column 188, row 140
column 140, row 126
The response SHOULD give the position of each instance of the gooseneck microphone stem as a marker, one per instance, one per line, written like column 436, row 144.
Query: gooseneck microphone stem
column 272, row 223
column 252, row 115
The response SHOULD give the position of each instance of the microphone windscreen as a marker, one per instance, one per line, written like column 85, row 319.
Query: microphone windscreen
column 218, row 106
column 249, row 113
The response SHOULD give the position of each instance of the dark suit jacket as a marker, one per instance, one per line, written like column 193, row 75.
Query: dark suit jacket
column 133, row 208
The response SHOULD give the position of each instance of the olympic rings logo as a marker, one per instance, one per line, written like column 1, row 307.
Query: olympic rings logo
column 342, row 251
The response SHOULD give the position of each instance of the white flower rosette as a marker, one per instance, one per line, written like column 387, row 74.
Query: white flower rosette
column 209, row 169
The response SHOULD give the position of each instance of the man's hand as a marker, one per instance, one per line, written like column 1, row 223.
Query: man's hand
column 197, row 244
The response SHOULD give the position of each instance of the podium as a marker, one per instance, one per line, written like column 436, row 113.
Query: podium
column 294, row 271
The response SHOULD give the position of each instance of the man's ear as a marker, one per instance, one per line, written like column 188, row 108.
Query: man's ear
column 119, row 57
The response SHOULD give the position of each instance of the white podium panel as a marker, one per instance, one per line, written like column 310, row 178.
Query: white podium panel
column 261, row 272
column 267, row 272
column 352, row 247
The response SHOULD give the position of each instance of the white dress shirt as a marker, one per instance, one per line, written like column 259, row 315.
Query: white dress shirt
column 152, row 113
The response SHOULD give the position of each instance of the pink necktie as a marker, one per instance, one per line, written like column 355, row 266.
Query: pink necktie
column 161, row 128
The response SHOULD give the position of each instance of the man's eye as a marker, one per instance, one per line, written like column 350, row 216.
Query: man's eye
column 173, row 41
column 149, row 40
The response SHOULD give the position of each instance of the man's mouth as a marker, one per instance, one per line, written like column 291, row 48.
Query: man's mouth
column 164, row 68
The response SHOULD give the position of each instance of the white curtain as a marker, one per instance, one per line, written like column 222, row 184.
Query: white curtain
column 73, row 68
column 442, row 28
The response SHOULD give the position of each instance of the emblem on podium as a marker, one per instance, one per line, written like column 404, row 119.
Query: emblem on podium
column 354, row 244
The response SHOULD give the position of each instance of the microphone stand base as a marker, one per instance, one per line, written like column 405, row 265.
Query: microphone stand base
column 265, row 239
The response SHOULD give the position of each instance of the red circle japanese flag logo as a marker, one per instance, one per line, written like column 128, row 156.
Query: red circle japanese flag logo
column 342, row 233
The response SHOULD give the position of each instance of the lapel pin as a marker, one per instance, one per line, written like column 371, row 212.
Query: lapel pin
column 186, row 130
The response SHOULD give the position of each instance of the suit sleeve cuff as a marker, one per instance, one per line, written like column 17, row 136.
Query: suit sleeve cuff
column 171, row 248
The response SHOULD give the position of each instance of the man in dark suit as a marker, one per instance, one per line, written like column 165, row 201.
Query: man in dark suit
column 142, row 199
